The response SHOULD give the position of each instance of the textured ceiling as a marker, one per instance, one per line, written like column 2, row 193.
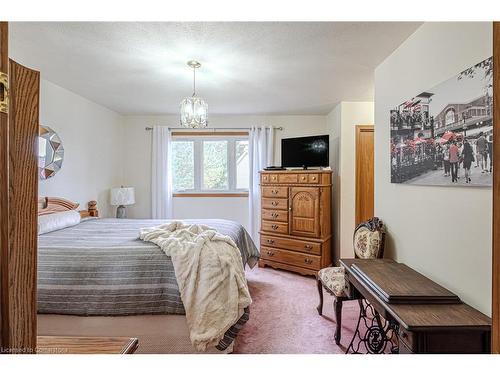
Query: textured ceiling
column 250, row 68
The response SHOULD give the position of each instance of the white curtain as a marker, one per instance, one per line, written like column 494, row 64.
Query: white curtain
column 161, row 174
column 261, row 155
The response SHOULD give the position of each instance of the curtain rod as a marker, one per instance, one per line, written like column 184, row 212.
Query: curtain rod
column 214, row 129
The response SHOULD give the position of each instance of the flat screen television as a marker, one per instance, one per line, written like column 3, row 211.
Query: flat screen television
column 305, row 152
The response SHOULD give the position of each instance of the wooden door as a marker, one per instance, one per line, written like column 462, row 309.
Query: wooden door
column 304, row 211
column 19, row 253
column 364, row 172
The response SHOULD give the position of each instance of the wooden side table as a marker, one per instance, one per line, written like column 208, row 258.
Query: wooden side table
column 86, row 345
column 420, row 315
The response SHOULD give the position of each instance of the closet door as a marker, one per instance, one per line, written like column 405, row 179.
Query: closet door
column 19, row 248
column 304, row 211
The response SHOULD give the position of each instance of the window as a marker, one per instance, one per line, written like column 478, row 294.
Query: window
column 450, row 117
column 183, row 162
column 242, row 165
column 215, row 171
column 210, row 164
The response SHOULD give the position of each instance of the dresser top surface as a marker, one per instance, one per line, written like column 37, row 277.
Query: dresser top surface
column 299, row 171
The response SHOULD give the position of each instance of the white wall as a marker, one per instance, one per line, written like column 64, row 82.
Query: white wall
column 137, row 161
column 442, row 232
column 334, row 126
column 341, row 124
column 91, row 136
column 352, row 114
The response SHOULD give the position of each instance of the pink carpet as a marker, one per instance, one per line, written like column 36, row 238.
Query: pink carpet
column 284, row 319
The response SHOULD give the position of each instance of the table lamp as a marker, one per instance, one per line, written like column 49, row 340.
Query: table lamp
column 121, row 197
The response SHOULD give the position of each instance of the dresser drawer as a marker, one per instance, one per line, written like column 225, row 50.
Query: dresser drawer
column 288, row 178
column 308, row 178
column 267, row 178
column 291, row 257
column 313, row 178
column 275, row 203
column 274, row 226
column 291, row 244
column 274, row 192
column 303, row 178
column 406, row 337
column 275, row 215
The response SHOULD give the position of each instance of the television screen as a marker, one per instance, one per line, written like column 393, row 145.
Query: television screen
column 305, row 152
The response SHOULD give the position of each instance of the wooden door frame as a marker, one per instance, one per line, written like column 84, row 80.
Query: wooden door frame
column 24, row 109
column 359, row 129
column 18, row 205
column 495, row 308
column 4, row 188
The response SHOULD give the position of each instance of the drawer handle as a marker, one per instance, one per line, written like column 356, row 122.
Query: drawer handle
column 274, row 192
column 308, row 247
column 274, row 215
column 308, row 261
column 303, row 178
column 314, row 178
column 270, row 241
column 274, row 226
column 274, row 203
column 270, row 253
column 274, row 177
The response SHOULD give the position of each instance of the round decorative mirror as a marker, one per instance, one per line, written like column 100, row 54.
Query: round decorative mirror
column 50, row 152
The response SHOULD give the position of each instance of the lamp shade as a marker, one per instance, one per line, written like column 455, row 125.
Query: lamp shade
column 122, row 196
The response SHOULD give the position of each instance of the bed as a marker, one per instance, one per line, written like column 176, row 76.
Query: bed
column 98, row 278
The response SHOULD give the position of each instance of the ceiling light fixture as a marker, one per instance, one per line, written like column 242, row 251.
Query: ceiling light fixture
column 194, row 110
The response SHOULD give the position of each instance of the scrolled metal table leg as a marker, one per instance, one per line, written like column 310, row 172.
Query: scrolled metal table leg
column 377, row 337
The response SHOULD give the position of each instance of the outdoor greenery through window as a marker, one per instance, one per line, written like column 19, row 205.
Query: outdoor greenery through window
column 210, row 164
column 215, row 173
column 183, row 162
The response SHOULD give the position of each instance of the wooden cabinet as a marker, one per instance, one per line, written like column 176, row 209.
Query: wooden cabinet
column 296, row 220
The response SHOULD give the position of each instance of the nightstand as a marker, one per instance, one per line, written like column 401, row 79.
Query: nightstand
column 86, row 345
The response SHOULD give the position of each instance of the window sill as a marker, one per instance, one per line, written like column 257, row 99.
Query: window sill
column 211, row 195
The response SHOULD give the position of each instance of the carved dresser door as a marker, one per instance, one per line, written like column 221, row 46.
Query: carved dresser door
column 304, row 211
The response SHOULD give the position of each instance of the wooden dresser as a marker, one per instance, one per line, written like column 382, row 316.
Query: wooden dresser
column 296, row 219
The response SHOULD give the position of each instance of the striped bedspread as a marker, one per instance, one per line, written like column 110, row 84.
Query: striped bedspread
column 100, row 267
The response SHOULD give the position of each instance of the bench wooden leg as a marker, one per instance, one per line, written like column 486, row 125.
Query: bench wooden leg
column 320, row 291
column 337, row 306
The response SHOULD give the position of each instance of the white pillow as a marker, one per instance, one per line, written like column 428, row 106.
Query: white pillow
column 56, row 221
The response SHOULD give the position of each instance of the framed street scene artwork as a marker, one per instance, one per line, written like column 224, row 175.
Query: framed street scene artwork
column 444, row 136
